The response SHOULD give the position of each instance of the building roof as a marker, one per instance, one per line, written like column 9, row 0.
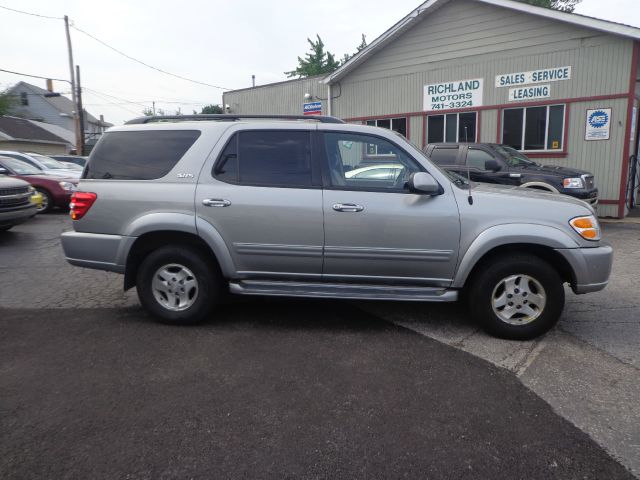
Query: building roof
column 67, row 135
column 430, row 6
column 63, row 104
column 312, row 77
column 21, row 129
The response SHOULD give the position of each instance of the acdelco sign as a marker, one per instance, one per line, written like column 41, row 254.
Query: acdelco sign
column 453, row 95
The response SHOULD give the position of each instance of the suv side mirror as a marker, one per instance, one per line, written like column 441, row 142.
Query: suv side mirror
column 492, row 165
column 423, row 182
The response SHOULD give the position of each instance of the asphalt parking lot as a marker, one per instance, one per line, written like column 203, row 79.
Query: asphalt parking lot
column 92, row 388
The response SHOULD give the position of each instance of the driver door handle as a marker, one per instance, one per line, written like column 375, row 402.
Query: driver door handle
column 347, row 207
column 215, row 202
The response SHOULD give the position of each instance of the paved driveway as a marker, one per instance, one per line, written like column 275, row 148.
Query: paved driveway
column 300, row 389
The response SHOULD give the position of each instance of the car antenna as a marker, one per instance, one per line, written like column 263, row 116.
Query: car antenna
column 466, row 140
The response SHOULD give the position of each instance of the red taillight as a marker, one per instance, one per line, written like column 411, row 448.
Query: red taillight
column 81, row 203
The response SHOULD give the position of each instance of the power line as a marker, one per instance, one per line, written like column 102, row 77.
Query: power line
column 32, row 14
column 146, row 64
column 112, row 103
column 120, row 52
column 124, row 101
column 157, row 98
column 34, row 76
column 103, row 95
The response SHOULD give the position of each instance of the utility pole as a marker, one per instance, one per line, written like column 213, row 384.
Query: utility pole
column 154, row 107
column 80, row 148
column 76, row 114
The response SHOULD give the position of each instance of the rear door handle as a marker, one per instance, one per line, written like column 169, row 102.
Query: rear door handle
column 347, row 207
column 215, row 202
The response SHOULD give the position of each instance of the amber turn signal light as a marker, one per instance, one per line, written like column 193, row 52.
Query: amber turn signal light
column 587, row 227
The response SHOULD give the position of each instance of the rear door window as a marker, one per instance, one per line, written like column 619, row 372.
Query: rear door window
column 272, row 158
column 138, row 155
column 444, row 155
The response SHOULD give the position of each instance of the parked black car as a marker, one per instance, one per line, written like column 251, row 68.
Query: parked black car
column 495, row 163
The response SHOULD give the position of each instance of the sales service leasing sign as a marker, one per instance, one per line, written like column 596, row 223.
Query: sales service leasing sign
column 526, row 85
column 453, row 95
column 535, row 76
column 598, row 125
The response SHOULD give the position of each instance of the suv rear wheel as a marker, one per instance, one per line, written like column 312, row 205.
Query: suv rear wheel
column 178, row 284
column 517, row 297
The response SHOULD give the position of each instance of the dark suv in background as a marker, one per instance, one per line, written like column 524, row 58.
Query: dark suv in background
column 495, row 163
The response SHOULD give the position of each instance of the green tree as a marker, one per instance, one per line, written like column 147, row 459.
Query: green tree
column 346, row 57
column 211, row 109
column 562, row 5
column 7, row 102
column 316, row 62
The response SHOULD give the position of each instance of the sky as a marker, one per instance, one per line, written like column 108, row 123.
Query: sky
column 220, row 43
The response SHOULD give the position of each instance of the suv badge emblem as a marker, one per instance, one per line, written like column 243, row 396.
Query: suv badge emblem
column 185, row 175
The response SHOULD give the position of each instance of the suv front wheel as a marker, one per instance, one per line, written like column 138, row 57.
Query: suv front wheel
column 517, row 297
column 178, row 285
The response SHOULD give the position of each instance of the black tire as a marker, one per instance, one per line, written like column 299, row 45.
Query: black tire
column 47, row 200
column 523, row 270
column 204, row 270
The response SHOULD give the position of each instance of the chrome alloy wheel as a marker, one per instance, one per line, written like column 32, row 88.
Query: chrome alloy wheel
column 518, row 299
column 174, row 287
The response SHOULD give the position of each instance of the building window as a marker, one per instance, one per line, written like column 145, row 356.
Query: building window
column 396, row 124
column 452, row 127
column 24, row 100
column 534, row 128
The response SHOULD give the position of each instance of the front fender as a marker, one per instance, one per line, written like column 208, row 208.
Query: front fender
column 509, row 234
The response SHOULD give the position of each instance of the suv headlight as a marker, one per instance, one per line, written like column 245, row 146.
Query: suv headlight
column 587, row 227
column 573, row 183
column 68, row 186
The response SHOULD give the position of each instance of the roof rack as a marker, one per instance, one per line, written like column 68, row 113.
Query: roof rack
column 225, row 117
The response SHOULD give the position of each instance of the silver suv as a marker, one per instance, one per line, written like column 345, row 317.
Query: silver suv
column 267, row 206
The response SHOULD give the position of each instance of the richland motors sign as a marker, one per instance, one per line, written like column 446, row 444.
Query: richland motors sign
column 453, row 95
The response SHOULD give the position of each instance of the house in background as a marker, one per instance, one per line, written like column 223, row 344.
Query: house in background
column 25, row 135
column 32, row 104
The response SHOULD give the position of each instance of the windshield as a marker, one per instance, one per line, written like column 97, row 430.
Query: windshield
column 19, row 167
column 49, row 162
column 513, row 157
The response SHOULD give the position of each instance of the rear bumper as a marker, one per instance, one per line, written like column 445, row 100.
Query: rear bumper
column 93, row 250
column 591, row 267
column 17, row 215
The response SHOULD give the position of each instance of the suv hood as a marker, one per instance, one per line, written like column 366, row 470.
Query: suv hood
column 10, row 182
column 556, row 171
column 514, row 192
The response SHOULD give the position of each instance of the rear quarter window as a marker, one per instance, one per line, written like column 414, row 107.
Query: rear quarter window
column 138, row 155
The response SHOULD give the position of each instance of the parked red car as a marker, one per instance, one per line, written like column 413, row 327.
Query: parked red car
column 56, row 191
